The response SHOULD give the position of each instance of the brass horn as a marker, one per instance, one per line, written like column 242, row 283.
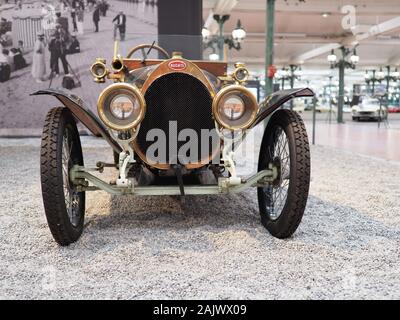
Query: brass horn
column 117, row 64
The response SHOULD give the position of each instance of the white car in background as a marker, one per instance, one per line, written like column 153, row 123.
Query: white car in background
column 369, row 108
column 323, row 108
column 298, row 105
column 347, row 109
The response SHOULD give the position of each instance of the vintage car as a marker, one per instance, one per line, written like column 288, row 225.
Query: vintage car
column 153, row 101
column 369, row 108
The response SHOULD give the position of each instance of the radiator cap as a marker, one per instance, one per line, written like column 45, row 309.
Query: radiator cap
column 176, row 54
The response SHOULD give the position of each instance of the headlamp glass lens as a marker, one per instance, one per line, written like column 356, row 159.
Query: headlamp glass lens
column 242, row 74
column 122, row 106
column 233, row 107
column 98, row 70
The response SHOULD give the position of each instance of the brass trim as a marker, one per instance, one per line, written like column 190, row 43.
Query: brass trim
column 240, row 67
column 215, row 68
column 191, row 69
column 99, row 78
column 163, row 69
column 117, row 76
column 117, row 64
column 227, row 90
column 111, row 90
column 166, row 166
column 177, row 55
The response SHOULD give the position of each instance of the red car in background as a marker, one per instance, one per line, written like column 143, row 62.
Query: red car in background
column 394, row 109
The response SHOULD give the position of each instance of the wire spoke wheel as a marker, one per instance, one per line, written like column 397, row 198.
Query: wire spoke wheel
column 60, row 151
column 277, row 194
column 72, row 198
column 285, row 146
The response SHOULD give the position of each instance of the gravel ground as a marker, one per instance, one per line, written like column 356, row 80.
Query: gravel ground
column 347, row 246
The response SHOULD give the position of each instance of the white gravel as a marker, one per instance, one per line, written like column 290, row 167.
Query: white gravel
column 347, row 246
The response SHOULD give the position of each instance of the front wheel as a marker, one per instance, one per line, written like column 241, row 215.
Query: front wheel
column 284, row 145
column 60, row 150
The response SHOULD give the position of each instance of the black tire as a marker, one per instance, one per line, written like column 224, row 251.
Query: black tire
column 60, row 131
column 295, row 177
column 355, row 119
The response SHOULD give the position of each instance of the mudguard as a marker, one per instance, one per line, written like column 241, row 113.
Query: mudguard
column 278, row 98
column 82, row 113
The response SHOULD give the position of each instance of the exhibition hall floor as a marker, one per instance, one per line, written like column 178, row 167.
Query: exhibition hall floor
column 347, row 245
column 363, row 138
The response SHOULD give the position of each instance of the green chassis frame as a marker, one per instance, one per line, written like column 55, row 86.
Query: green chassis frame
column 80, row 177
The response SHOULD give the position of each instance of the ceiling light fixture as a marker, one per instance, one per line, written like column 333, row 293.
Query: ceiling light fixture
column 238, row 34
column 354, row 57
column 332, row 57
column 395, row 73
column 214, row 56
column 205, row 33
column 380, row 74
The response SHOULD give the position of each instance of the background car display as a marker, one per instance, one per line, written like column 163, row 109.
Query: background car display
column 299, row 105
column 394, row 109
column 369, row 108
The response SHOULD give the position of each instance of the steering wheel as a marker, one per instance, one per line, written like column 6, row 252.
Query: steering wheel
column 143, row 48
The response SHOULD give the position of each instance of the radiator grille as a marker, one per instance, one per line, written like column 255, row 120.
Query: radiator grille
column 176, row 97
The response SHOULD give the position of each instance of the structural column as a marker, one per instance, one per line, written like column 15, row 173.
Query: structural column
column 341, row 87
column 373, row 82
column 292, row 77
column 387, row 84
column 269, row 50
column 221, row 42
column 179, row 27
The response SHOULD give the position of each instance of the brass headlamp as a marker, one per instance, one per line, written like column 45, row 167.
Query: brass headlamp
column 121, row 106
column 99, row 70
column 235, row 107
column 241, row 73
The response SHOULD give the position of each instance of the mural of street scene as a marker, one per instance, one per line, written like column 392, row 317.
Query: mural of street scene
column 53, row 44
